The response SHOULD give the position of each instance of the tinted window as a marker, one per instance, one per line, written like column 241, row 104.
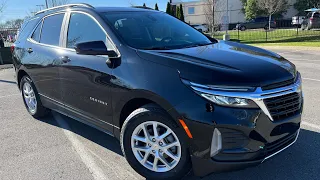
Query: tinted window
column 36, row 33
column 26, row 29
column 154, row 30
column 83, row 28
column 51, row 29
column 316, row 15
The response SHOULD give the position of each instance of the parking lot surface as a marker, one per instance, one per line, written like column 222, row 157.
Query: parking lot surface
column 58, row 147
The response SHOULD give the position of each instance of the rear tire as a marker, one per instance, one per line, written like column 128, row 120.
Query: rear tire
column 31, row 98
column 149, row 162
column 243, row 28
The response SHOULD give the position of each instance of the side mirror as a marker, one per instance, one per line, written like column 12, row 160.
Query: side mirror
column 94, row 48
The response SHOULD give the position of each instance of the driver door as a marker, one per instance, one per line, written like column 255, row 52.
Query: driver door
column 86, row 78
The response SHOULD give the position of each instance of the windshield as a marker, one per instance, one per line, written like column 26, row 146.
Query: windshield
column 154, row 30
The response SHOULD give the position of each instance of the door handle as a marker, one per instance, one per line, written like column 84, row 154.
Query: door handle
column 29, row 50
column 65, row 59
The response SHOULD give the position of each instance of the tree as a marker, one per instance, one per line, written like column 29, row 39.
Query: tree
column 53, row 3
column 156, row 7
column 302, row 5
column 251, row 9
column 272, row 6
column 169, row 9
column 144, row 5
column 181, row 13
column 15, row 23
column 178, row 14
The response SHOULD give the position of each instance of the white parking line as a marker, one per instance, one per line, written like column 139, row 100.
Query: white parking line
column 86, row 158
column 312, row 79
column 9, row 95
column 311, row 125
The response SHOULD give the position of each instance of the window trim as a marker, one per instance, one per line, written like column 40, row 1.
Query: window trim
column 41, row 21
column 39, row 24
column 66, row 28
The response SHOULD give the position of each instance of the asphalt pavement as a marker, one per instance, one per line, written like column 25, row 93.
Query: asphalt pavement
column 58, row 147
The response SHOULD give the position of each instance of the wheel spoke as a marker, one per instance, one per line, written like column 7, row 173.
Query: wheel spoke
column 141, row 139
column 174, row 157
column 168, row 146
column 144, row 149
column 146, row 156
column 164, row 161
column 165, row 134
column 145, row 132
column 155, row 163
column 155, row 130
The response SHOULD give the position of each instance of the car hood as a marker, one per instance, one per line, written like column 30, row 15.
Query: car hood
column 225, row 63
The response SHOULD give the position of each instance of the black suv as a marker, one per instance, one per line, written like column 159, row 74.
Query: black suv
column 176, row 99
column 259, row 22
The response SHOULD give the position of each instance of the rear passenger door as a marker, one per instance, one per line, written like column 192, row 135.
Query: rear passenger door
column 43, row 59
column 85, row 78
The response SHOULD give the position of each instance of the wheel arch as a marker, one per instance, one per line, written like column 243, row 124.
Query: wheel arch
column 20, row 75
column 127, row 105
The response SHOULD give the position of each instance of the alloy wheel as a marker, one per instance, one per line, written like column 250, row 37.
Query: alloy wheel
column 156, row 146
column 29, row 97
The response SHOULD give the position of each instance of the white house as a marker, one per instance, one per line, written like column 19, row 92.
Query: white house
column 225, row 10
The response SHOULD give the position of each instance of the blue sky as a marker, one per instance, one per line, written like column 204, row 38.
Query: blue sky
column 21, row 8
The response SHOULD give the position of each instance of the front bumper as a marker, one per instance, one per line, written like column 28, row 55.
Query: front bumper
column 248, row 136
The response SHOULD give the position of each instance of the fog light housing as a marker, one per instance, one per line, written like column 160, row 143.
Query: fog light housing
column 216, row 142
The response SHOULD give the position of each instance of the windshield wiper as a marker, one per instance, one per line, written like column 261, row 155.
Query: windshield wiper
column 156, row 48
column 197, row 45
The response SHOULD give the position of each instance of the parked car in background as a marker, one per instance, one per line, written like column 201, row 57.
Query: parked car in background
column 312, row 21
column 201, row 27
column 297, row 20
column 259, row 22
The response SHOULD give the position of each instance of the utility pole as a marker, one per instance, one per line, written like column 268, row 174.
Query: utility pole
column 47, row 4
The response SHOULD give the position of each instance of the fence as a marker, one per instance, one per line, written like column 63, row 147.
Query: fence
column 281, row 31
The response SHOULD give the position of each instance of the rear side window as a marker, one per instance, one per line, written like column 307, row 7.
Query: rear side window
column 26, row 29
column 36, row 34
column 51, row 28
column 83, row 28
column 316, row 15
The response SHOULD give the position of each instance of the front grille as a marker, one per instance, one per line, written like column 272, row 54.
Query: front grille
column 285, row 106
column 278, row 85
column 274, row 147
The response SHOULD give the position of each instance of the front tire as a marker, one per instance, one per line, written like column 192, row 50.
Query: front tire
column 31, row 98
column 154, row 145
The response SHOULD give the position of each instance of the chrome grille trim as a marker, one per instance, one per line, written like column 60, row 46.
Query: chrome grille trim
column 258, row 95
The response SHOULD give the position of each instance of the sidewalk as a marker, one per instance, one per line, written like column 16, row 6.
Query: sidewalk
column 6, row 66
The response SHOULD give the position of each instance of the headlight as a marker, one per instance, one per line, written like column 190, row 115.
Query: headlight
column 215, row 94
column 230, row 101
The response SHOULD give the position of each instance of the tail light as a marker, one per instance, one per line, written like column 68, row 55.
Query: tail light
column 311, row 19
column 12, row 48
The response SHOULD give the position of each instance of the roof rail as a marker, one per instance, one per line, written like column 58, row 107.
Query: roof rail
column 64, row 6
column 142, row 7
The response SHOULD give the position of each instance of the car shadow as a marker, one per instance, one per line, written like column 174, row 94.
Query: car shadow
column 107, row 141
column 300, row 161
column 10, row 82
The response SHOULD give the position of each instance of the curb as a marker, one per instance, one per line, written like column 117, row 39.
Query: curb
column 6, row 66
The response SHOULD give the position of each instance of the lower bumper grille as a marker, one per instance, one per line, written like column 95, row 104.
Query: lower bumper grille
column 284, row 106
column 274, row 147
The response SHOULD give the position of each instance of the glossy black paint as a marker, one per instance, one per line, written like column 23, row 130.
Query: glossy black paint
column 98, row 90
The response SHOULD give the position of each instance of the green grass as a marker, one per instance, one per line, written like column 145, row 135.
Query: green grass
column 278, row 37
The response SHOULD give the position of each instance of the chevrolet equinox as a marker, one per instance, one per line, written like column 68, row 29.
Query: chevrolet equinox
column 176, row 99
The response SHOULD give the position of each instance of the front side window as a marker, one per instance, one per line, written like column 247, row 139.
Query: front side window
column 51, row 29
column 36, row 34
column 154, row 30
column 83, row 28
column 190, row 10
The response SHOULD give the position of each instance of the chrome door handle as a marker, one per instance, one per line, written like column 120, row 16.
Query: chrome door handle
column 29, row 50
